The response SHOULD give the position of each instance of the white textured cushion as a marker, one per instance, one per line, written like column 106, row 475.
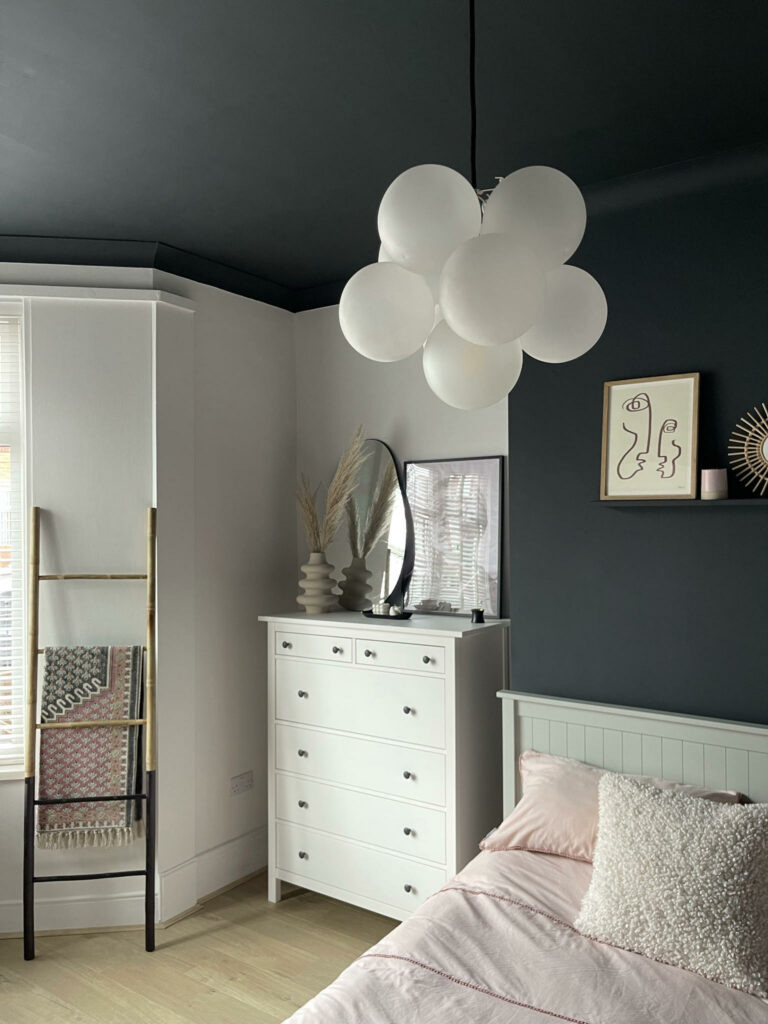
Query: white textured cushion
column 681, row 880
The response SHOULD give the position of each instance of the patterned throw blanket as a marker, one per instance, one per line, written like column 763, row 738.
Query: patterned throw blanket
column 82, row 684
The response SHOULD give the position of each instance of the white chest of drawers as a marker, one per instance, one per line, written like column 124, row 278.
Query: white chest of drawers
column 384, row 753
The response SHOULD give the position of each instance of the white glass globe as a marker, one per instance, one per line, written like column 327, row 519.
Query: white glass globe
column 433, row 280
column 491, row 289
column 469, row 376
column 386, row 312
column 543, row 209
column 425, row 213
column 571, row 319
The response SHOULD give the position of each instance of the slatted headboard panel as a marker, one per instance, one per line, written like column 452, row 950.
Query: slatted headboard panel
column 681, row 748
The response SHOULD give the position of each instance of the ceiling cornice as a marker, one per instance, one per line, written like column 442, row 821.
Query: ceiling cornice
column 108, row 252
column 604, row 198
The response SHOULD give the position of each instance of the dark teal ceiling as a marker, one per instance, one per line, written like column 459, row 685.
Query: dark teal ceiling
column 261, row 135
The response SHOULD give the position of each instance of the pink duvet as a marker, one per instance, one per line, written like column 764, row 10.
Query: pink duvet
column 497, row 946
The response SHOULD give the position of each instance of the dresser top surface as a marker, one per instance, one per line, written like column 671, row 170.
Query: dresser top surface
column 437, row 625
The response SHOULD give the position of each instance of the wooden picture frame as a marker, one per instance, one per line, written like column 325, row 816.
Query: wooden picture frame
column 650, row 437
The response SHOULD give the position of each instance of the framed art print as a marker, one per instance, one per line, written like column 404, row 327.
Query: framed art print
column 650, row 433
column 456, row 509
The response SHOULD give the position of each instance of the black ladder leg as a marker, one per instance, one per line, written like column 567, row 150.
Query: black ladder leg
column 149, row 881
column 29, row 868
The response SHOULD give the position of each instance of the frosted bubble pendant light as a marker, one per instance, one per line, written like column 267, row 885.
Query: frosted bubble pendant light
column 494, row 261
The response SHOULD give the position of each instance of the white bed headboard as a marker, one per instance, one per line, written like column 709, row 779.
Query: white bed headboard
column 681, row 748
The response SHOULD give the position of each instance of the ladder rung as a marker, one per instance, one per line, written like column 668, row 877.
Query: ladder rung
column 88, row 877
column 41, row 650
column 95, row 576
column 88, row 799
column 109, row 723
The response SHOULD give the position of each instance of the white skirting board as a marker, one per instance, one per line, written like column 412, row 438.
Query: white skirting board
column 64, row 913
column 229, row 862
column 180, row 889
column 183, row 886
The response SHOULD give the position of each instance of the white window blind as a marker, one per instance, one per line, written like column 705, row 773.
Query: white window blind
column 11, row 539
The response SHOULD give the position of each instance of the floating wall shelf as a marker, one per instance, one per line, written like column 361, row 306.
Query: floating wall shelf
column 684, row 503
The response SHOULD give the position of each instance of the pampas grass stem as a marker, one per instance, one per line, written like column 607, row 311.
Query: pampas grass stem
column 307, row 499
column 353, row 527
column 341, row 487
column 320, row 535
column 380, row 512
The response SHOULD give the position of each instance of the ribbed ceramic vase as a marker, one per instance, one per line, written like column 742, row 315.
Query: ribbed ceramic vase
column 355, row 589
column 317, row 583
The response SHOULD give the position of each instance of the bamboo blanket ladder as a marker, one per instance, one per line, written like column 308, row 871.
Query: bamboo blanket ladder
column 33, row 727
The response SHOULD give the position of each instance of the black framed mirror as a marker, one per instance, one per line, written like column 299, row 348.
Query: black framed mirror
column 379, row 553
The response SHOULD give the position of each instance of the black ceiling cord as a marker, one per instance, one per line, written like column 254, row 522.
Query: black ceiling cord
column 472, row 97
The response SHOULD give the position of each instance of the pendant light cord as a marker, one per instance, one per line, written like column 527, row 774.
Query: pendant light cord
column 472, row 97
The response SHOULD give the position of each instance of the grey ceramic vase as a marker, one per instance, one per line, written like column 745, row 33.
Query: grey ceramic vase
column 318, row 584
column 355, row 589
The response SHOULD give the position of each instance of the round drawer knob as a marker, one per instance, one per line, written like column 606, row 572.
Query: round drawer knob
column 368, row 654
column 302, row 693
column 408, row 888
column 286, row 645
column 407, row 775
column 302, row 753
column 337, row 650
column 407, row 710
column 302, row 803
column 426, row 659
column 408, row 831
column 303, row 855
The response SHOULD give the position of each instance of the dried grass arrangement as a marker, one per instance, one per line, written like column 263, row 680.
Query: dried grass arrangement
column 320, row 535
column 353, row 528
column 380, row 512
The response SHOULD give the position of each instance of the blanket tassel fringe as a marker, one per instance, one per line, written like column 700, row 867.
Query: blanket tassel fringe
column 69, row 839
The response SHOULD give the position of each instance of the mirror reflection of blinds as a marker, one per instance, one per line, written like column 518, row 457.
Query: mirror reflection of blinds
column 11, row 540
column 450, row 520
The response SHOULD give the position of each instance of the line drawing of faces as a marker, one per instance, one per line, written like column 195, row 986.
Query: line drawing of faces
column 636, row 422
column 668, row 450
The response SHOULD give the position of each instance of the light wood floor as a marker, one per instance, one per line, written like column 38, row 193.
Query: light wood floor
column 239, row 960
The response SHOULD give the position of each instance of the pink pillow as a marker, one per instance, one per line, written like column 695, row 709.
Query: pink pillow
column 557, row 812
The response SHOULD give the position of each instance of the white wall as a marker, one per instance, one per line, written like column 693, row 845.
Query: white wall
column 244, row 500
column 338, row 389
column 224, row 457
column 174, row 471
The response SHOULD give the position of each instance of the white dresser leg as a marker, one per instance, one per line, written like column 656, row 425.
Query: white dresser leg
column 274, row 888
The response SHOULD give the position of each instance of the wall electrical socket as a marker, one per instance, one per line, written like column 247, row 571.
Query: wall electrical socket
column 240, row 783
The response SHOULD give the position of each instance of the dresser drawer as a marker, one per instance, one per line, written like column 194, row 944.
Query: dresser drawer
column 402, row 772
column 308, row 645
column 390, row 654
column 392, row 880
column 392, row 705
column 397, row 826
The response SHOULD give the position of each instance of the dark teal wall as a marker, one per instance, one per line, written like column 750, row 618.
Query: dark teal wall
column 664, row 608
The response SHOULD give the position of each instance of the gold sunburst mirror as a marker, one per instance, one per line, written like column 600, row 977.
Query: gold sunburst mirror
column 748, row 449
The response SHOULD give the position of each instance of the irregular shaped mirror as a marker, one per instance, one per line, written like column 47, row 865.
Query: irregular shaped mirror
column 380, row 535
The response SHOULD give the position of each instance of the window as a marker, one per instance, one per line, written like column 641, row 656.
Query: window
column 11, row 537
